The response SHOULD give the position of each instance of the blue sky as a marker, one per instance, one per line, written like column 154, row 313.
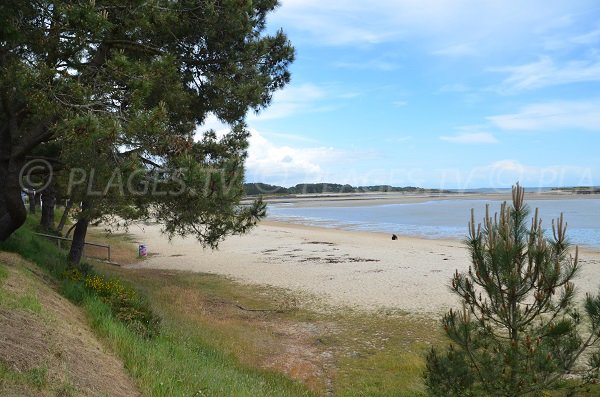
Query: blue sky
column 434, row 93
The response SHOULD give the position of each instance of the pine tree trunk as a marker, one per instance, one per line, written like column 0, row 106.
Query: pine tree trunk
column 65, row 216
column 12, row 208
column 37, row 202
column 78, row 244
column 48, row 204
column 31, row 197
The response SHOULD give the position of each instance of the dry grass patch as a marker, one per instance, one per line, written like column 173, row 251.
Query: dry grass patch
column 243, row 321
column 123, row 248
column 336, row 351
column 46, row 346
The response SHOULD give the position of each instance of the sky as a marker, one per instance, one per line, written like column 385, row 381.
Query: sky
column 434, row 93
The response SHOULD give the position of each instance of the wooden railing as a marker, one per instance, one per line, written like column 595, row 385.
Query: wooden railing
column 60, row 239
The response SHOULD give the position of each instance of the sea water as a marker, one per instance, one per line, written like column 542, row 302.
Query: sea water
column 442, row 218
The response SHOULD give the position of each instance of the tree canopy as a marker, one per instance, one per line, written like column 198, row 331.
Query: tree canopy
column 124, row 85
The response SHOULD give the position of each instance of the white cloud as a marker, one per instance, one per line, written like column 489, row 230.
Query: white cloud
column 287, row 165
column 292, row 100
column 373, row 64
column 211, row 122
column 508, row 166
column 545, row 72
column 281, row 164
column 350, row 95
column 441, row 23
column 305, row 98
column 289, row 137
column 331, row 22
column 471, row 138
column 399, row 104
column 561, row 42
column 592, row 37
column 558, row 23
column 551, row 116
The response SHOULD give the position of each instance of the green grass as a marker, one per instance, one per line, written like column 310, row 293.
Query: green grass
column 374, row 353
column 27, row 300
column 36, row 249
column 33, row 382
column 3, row 274
column 35, row 377
column 384, row 353
column 38, row 376
column 179, row 365
column 172, row 364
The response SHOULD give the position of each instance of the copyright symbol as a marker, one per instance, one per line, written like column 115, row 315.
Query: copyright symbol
column 36, row 167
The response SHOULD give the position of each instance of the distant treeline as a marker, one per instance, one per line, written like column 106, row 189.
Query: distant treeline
column 254, row 189
column 579, row 189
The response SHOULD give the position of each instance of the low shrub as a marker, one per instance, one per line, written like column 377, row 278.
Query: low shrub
column 125, row 303
column 137, row 314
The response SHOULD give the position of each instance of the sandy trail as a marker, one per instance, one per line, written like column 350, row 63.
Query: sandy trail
column 358, row 269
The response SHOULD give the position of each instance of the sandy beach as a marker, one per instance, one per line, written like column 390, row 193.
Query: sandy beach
column 358, row 269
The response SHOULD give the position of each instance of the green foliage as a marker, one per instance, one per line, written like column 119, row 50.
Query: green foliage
column 73, row 290
column 449, row 376
column 118, row 89
column 125, row 303
column 520, row 332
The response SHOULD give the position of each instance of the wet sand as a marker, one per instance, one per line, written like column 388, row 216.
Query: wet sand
column 361, row 199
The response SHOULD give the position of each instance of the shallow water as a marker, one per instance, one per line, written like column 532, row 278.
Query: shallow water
column 442, row 218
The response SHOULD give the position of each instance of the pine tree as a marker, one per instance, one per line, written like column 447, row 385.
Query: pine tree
column 125, row 87
column 520, row 332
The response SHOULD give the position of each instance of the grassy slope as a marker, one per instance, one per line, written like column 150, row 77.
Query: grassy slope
column 174, row 364
column 34, row 380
